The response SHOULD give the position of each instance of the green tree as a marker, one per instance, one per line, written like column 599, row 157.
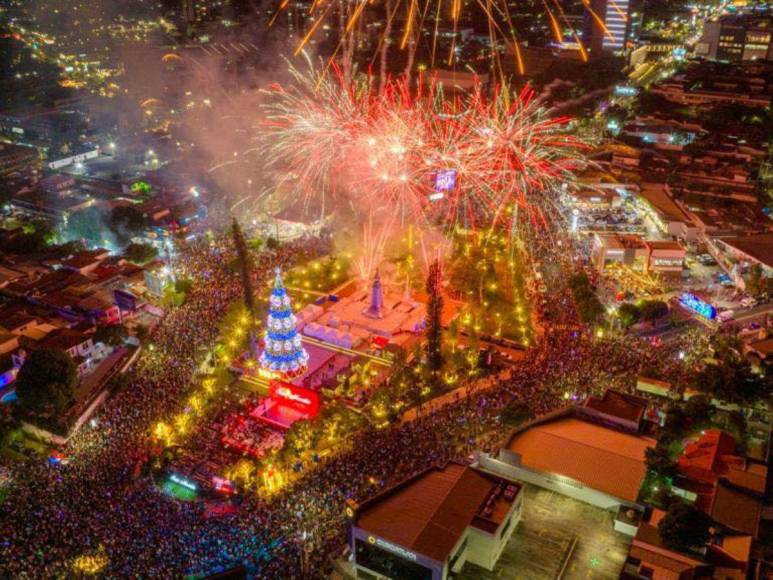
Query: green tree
column 245, row 266
column 589, row 308
column 30, row 241
column 515, row 413
column 684, row 527
column 434, row 334
column 111, row 334
column 380, row 405
column 8, row 423
column 756, row 284
column 698, row 409
column 245, row 271
column 301, row 437
column 628, row 314
column 184, row 285
column 659, row 461
column 674, row 424
column 734, row 381
column 140, row 253
column 579, row 280
column 46, row 381
column 653, row 309
column 68, row 248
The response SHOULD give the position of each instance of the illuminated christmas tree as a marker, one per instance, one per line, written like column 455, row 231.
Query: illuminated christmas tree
column 283, row 353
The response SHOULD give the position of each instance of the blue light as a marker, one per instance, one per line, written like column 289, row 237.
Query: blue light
column 445, row 180
column 692, row 302
column 178, row 479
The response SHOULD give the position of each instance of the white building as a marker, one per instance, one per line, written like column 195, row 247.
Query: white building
column 427, row 527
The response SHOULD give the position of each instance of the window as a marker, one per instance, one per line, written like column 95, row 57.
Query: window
column 388, row 564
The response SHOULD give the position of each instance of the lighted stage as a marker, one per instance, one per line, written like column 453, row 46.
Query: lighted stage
column 258, row 429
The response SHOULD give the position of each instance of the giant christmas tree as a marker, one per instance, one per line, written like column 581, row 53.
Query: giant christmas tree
column 283, row 353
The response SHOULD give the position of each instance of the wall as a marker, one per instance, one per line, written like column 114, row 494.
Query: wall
column 507, row 466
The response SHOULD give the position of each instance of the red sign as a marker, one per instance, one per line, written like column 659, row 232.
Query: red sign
column 299, row 398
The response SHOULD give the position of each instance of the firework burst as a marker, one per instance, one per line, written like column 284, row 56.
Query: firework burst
column 421, row 158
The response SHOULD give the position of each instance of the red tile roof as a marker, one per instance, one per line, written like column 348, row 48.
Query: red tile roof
column 729, row 487
column 601, row 458
column 429, row 513
column 616, row 404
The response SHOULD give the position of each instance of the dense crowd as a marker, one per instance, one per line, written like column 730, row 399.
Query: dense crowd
column 97, row 502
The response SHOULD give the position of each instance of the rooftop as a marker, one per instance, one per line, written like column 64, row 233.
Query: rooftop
column 601, row 458
column 729, row 487
column 657, row 196
column 621, row 241
column 63, row 339
column 617, row 404
column 662, row 245
column 430, row 512
column 759, row 247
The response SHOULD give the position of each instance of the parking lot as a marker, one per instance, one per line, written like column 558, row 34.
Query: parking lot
column 558, row 537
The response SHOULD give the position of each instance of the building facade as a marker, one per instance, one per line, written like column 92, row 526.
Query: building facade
column 737, row 38
column 611, row 25
column 429, row 526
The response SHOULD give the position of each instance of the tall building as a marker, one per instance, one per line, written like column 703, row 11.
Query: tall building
column 194, row 12
column 611, row 25
column 737, row 38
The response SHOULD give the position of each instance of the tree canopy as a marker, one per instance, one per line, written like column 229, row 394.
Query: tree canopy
column 659, row 461
column 734, row 381
column 140, row 253
column 46, row 382
column 684, row 527
column 113, row 334
column 628, row 314
column 589, row 307
column 653, row 309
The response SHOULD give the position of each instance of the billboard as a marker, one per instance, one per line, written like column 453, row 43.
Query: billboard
column 301, row 399
column 126, row 301
column 700, row 307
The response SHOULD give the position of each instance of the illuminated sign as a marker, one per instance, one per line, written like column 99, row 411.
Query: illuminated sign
column 184, row 482
column 285, row 393
column 223, row 485
column 692, row 302
column 626, row 91
column 304, row 400
column 445, row 180
column 668, row 261
column 394, row 548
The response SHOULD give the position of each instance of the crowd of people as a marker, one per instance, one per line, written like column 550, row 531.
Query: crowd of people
column 98, row 504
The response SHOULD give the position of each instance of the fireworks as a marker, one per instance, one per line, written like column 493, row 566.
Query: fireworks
column 417, row 17
column 421, row 159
